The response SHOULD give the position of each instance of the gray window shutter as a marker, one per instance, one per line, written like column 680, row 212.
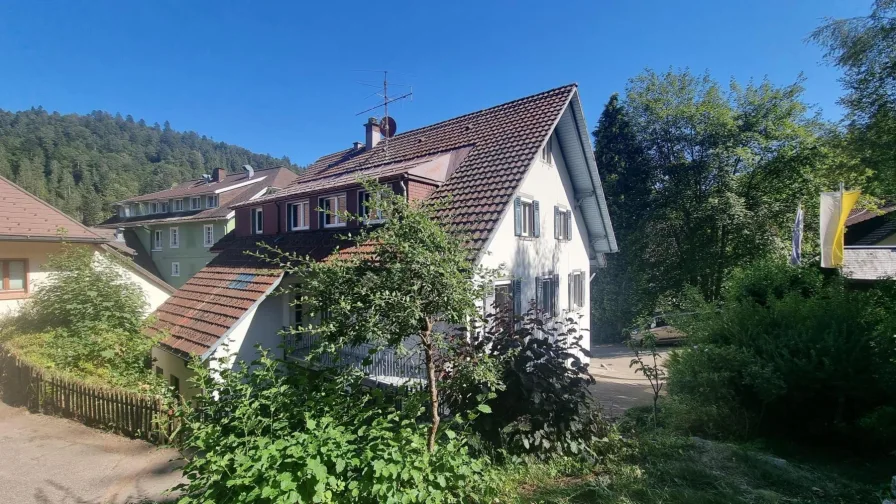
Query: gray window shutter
column 536, row 226
column 569, row 224
column 517, row 296
column 555, row 290
column 538, row 296
column 569, row 301
column 556, row 222
column 517, row 217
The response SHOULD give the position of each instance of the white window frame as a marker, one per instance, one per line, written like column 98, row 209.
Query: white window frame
column 154, row 207
column 258, row 220
column 206, row 242
column 302, row 211
column 574, row 304
column 527, row 218
column 175, row 269
column 163, row 207
column 362, row 210
column 178, row 205
column 157, row 239
column 173, row 237
column 547, row 154
column 338, row 219
column 211, row 201
column 198, row 203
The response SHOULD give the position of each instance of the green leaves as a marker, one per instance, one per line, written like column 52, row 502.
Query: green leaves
column 274, row 432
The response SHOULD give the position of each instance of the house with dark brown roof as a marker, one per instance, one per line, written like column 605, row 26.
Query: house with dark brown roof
column 31, row 230
column 173, row 230
column 523, row 187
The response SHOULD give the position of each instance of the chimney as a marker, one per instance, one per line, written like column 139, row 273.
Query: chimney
column 372, row 128
column 218, row 174
column 357, row 146
column 249, row 170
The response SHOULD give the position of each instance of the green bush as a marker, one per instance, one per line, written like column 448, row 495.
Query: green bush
column 539, row 402
column 86, row 319
column 789, row 353
column 82, row 291
column 274, row 432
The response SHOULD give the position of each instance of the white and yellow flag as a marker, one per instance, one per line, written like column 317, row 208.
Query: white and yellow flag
column 835, row 207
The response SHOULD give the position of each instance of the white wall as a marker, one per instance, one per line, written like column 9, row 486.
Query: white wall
column 173, row 365
column 37, row 254
column 527, row 258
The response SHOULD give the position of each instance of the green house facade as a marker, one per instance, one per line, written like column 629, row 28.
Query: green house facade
column 173, row 230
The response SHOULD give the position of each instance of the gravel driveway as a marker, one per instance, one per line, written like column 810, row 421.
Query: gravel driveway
column 53, row 460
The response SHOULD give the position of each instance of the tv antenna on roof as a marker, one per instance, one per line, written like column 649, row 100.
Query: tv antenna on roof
column 387, row 124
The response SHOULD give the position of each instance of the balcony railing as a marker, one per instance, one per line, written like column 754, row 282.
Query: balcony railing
column 385, row 367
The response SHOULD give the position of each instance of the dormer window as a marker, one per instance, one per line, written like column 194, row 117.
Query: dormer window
column 370, row 215
column 298, row 215
column 163, row 207
column 196, row 203
column 154, row 207
column 211, row 201
column 124, row 211
column 178, row 205
column 331, row 206
column 257, row 221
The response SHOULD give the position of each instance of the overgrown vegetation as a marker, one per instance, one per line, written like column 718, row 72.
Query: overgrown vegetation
column 790, row 354
column 274, row 432
column 538, row 403
column 85, row 319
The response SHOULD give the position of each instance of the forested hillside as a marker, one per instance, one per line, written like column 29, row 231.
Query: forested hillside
column 82, row 163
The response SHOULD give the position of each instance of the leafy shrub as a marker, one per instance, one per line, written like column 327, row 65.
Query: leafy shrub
column 789, row 353
column 81, row 293
column 274, row 432
column 540, row 403
column 86, row 319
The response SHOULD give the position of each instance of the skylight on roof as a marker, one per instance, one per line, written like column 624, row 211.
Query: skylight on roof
column 241, row 281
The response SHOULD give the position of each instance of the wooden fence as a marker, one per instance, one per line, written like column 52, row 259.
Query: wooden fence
column 42, row 391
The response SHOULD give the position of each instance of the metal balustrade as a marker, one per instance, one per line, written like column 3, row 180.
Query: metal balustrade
column 385, row 366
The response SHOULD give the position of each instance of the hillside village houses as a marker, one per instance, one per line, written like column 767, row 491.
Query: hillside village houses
column 524, row 187
column 172, row 231
column 31, row 230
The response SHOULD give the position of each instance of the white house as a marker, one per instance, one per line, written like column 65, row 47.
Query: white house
column 523, row 184
column 31, row 230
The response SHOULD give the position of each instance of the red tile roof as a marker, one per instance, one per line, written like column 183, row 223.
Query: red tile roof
column 205, row 308
column 27, row 217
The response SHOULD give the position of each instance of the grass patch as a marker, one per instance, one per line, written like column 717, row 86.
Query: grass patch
column 659, row 467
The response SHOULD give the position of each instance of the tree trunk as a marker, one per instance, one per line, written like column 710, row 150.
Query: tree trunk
column 429, row 353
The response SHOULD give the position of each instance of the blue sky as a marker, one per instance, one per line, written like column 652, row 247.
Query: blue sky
column 283, row 77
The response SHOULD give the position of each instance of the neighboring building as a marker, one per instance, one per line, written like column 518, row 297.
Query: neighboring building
column 524, row 187
column 869, row 253
column 31, row 230
column 175, row 229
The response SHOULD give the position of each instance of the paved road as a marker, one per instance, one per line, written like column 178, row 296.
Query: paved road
column 52, row 460
column 618, row 387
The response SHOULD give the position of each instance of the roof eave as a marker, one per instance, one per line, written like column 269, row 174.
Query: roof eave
column 39, row 238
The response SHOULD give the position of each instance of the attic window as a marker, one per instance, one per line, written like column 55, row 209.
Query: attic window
column 546, row 152
column 241, row 281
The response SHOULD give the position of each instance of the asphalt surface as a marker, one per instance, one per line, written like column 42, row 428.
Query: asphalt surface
column 46, row 460
column 618, row 387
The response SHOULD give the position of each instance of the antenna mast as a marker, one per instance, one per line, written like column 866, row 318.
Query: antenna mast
column 385, row 122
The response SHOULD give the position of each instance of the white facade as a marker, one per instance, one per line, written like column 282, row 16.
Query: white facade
column 38, row 253
column 527, row 258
